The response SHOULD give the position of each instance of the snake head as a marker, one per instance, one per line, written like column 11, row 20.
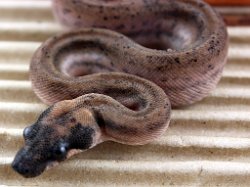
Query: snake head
column 51, row 139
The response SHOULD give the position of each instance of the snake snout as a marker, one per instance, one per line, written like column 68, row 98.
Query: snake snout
column 19, row 167
column 26, row 166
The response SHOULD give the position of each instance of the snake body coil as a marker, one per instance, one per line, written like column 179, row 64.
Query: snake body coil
column 87, row 74
column 191, row 35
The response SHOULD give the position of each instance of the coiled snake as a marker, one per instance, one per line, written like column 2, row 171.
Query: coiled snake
column 91, row 77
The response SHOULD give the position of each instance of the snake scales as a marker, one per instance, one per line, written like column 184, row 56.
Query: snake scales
column 91, row 77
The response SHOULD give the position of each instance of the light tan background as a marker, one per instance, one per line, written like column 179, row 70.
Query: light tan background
column 207, row 144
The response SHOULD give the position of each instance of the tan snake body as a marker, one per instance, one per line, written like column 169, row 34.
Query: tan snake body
column 87, row 74
column 192, row 30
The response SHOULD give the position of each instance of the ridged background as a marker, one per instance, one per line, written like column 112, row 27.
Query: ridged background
column 207, row 144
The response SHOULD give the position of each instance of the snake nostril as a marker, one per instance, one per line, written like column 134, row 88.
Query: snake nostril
column 20, row 168
column 26, row 171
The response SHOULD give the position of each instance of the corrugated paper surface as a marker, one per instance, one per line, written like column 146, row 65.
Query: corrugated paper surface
column 207, row 144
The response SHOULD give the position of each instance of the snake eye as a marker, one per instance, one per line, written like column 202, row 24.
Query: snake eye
column 27, row 132
column 61, row 151
column 30, row 132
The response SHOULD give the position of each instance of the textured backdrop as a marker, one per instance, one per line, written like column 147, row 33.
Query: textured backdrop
column 207, row 144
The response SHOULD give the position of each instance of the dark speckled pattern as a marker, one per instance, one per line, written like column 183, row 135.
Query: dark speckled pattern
column 86, row 66
column 191, row 35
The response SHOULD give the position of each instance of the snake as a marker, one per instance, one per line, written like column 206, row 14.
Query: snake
column 119, row 85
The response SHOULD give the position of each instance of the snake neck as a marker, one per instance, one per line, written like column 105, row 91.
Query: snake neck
column 103, row 114
column 86, row 133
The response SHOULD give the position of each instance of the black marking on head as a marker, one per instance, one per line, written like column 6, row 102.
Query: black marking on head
column 44, row 143
column 99, row 119
column 81, row 137
column 45, row 113
column 30, row 132
column 25, row 166
column 42, row 147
